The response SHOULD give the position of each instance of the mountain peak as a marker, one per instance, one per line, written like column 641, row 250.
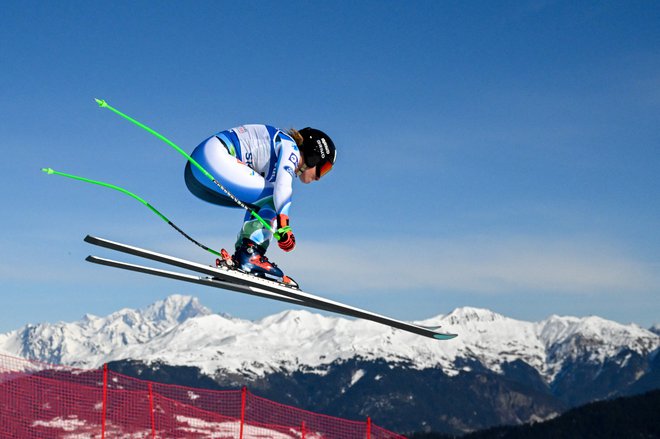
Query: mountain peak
column 176, row 308
column 558, row 329
column 468, row 314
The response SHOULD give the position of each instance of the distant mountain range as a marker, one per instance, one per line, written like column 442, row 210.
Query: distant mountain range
column 498, row 371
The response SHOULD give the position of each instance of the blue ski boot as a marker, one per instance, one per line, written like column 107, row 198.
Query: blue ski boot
column 249, row 257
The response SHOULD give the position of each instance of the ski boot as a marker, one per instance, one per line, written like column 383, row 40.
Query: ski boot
column 250, row 258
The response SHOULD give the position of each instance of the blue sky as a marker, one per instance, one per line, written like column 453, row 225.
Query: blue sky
column 492, row 154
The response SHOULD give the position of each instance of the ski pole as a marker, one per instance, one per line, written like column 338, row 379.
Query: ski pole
column 104, row 104
column 51, row 171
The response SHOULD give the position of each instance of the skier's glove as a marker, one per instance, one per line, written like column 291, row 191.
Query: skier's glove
column 287, row 241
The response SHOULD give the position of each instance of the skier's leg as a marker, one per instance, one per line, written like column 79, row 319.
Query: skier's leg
column 253, row 240
column 242, row 181
column 253, row 229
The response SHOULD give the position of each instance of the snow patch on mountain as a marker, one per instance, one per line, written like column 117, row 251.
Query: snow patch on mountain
column 180, row 331
column 357, row 376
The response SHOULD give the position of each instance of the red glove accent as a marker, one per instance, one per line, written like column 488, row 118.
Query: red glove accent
column 287, row 241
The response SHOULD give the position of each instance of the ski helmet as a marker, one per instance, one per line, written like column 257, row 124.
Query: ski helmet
column 318, row 150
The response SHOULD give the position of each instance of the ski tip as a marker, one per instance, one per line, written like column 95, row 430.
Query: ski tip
column 49, row 171
column 444, row 336
column 101, row 102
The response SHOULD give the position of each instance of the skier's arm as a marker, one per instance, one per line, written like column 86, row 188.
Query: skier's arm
column 287, row 163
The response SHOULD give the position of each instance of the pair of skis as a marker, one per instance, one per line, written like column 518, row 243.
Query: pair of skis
column 235, row 280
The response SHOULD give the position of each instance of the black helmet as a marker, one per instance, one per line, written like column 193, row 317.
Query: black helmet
column 318, row 150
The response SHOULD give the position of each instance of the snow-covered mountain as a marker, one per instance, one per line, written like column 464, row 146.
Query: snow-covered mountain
column 94, row 340
column 180, row 331
column 497, row 371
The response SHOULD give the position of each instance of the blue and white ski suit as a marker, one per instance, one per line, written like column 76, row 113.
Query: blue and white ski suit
column 257, row 164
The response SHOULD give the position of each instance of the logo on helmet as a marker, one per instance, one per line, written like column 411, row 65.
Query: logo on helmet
column 324, row 149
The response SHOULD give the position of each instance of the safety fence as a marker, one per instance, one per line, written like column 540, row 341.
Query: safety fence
column 40, row 400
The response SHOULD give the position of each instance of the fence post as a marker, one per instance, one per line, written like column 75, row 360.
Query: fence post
column 368, row 427
column 302, row 430
column 105, row 399
column 243, row 395
column 153, row 414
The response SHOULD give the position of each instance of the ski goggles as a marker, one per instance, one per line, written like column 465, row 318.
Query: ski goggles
column 323, row 168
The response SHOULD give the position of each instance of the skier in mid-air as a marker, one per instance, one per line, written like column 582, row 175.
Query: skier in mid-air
column 257, row 164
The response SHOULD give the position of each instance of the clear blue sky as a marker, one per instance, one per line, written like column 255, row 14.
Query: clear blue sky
column 494, row 154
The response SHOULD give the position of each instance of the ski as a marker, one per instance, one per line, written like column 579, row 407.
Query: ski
column 237, row 281
column 201, row 280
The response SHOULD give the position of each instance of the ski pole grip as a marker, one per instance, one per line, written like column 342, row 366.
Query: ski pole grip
column 280, row 232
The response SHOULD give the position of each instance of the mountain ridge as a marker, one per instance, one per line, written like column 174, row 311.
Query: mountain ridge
column 498, row 371
column 179, row 330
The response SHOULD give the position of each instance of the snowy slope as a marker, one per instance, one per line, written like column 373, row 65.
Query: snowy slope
column 180, row 331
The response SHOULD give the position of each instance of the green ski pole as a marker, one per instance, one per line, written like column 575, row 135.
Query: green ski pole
column 104, row 104
column 51, row 171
